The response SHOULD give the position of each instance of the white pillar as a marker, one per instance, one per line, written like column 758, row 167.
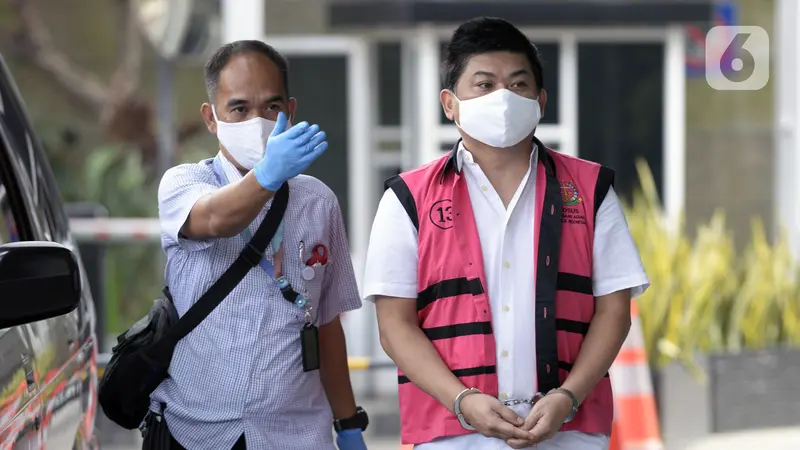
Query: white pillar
column 363, row 188
column 242, row 19
column 787, row 121
column 410, row 153
column 568, row 97
column 427, row 140
column 674, row 175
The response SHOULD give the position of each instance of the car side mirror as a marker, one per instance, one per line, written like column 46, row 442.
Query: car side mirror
column 38, row 280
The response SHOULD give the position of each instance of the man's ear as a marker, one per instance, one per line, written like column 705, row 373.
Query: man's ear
column 292, row 108
column 542, row 101
column 208, row 117
column 449, row 104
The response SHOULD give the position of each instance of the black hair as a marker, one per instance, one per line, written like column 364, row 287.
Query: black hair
column 220, row 59
column 483, row 35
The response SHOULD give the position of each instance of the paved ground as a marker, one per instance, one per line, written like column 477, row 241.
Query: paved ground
column 372, row 444
column 779, row 439
column 771, row 439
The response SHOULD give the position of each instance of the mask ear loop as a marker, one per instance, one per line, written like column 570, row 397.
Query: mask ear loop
column 459, row 110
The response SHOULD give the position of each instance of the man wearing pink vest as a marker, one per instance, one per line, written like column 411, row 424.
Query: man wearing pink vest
column 502, row 273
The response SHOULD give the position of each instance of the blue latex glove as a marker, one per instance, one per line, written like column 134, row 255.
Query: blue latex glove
column 289, row 152
column 351, row 440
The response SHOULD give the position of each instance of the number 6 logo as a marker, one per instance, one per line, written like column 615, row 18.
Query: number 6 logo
column 441, row 214
column 737, row 58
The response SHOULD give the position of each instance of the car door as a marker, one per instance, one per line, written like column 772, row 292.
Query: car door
column 60, row 355
column 20, row 405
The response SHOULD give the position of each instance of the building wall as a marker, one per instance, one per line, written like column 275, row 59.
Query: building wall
column 729, row 145
column 296, row 16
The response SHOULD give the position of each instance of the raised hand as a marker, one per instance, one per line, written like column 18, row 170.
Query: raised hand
column 289, row 152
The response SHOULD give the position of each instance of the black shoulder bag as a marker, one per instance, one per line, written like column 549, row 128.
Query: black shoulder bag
column 140, row 360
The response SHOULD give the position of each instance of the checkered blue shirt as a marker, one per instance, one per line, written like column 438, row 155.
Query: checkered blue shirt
column 240, row 370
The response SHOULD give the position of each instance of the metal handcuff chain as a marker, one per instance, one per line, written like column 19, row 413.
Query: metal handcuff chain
column 460, row 415
column 529, row 401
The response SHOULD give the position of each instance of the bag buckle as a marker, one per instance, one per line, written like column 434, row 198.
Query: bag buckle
column 143, row 425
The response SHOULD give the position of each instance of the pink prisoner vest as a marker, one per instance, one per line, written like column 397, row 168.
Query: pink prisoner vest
column 452, row 304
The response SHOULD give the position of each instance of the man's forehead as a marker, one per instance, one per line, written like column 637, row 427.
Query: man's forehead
column 249, row 68
column 497, row 63
column 249, row 72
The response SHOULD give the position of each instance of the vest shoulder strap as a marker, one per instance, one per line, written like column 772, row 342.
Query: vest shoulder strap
column 403, row 193
column 605, row 180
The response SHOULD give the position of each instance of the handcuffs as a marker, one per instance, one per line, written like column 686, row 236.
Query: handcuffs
column 513, row 402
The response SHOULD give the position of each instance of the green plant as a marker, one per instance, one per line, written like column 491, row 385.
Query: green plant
column 705, row 296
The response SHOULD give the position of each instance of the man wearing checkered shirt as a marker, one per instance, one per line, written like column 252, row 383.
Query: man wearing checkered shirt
column 242, row 378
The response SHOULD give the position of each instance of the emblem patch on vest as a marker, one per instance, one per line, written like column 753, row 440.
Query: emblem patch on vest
column 441, row 214
column 569, row 194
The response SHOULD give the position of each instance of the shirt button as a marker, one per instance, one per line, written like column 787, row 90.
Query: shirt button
column 506, row 264
column 483, row 188
column 504, row 354
column 506, row 308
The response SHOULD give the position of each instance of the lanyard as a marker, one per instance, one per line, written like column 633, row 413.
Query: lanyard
column 288, row 292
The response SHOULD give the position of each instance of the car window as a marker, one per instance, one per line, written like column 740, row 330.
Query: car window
column 44, row 212
column 8, row 226
column 46, row 209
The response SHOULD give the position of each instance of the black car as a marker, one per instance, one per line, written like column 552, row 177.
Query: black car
column 48, row 351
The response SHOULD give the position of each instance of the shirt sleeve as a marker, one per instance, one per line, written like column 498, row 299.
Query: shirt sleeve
column 180, row 188
column 339, row 287
column 392, row 256
column 616, row 261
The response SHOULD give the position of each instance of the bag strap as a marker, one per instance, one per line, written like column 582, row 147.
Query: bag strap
column 249, row 257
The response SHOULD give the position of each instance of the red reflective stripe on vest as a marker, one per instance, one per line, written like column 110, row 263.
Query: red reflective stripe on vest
column 453, row 306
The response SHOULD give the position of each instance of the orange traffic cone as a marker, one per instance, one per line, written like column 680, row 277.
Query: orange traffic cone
column 635, row 424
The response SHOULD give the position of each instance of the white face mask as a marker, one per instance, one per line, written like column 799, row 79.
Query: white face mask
column 500, row 119
column 245, row 141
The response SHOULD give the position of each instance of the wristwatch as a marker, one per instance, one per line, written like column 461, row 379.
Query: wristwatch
column 357, row 420
column 575, row 403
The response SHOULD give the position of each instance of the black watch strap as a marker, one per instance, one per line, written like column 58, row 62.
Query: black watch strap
column 358, row 420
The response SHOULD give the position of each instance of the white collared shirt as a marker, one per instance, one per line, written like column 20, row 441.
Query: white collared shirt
column 505, row 235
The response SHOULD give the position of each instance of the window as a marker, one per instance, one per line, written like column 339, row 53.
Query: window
column 47, row 209
column 447, row 147
column 325, row 103
column 389, row 55
column 384, row 173
column 34, row 168
column 8, row 226
column 620, row 108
